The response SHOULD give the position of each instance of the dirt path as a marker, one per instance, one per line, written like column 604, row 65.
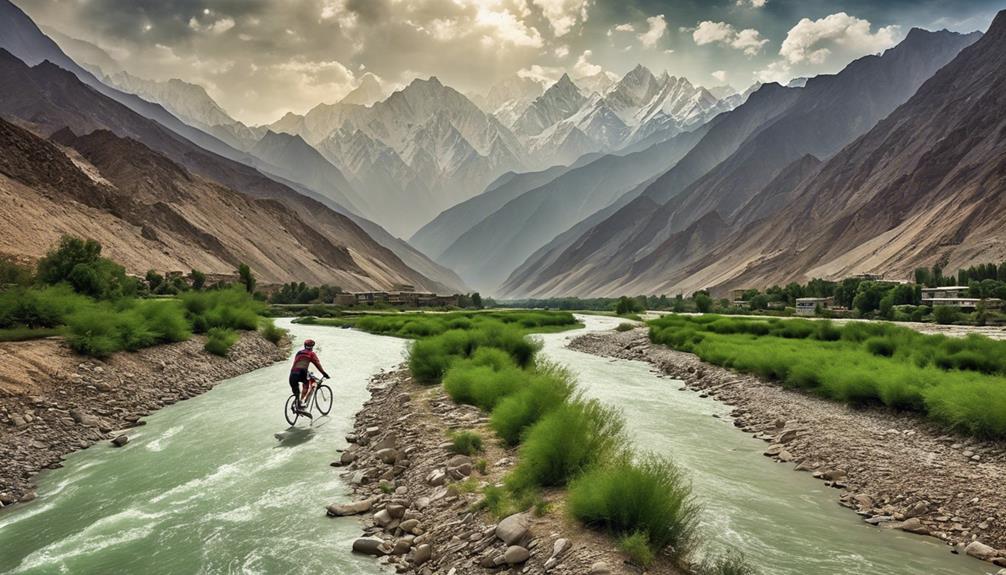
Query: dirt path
column 421, row 501
column 53, row 402
column 896, row 470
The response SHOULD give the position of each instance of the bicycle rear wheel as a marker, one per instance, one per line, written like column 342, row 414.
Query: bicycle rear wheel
column 289, row 412
column 323, row 399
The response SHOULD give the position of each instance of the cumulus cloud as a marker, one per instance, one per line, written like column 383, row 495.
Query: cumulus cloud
column 778, row 71
column 657, row 25
column 584, row 67
column 625, row 28
column 752, row 3
column 720, row 76
column 814, row 40
column 562, row 15
column 561, row 51
column 748, row 40
column 544, row 74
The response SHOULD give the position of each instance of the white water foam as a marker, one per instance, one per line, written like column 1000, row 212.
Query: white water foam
column 161, row 442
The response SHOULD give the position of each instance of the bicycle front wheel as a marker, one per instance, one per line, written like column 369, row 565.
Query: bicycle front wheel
column 289, row 411
column 323, row 399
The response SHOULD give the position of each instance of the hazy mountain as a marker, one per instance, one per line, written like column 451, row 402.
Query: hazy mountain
column 93, row 57
column 442, row 231
column 488, row 252
column 292, row 158
column 742, row 153
column 596, row 83
column 560, row 101
column 508, row 98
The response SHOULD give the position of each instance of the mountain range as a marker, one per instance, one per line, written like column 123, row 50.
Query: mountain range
column 742, row 177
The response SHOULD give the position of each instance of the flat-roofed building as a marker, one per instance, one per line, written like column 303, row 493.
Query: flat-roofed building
column 956, row 296
column 810, row 305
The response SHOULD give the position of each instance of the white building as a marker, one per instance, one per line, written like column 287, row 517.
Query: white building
column 810, row 305
column 956, row 296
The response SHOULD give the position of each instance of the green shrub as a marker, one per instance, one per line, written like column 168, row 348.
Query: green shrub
column 231, row 308
column 543, row 392
column 625, row 326
column 649, row 497
column 466, row 443
column 26, row 333
column 219, row 340
column 94, row 332
column 46, row 307
column 945, row 314
column 481, row 385
column 880, row 346
column 637, row 547
column 730, row 564
column 272, row 333
column 567, row 441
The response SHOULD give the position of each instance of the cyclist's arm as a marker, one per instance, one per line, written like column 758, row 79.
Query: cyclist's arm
column 317, row 363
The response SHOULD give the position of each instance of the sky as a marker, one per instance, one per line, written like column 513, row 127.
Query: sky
column 262, row 58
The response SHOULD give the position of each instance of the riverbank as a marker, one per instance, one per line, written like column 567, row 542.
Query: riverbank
column 896, row 470
column 54, row 402
column 420, row 502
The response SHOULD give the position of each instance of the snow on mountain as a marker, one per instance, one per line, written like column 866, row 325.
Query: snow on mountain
column 596, row 83
column 560, row 101
column 367, row 93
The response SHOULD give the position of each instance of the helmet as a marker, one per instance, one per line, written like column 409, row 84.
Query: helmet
column 309, row 343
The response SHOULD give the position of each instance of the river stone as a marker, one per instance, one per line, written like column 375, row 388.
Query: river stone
column 913, row 525
column 920, row 508
column 513, row 529
column 354, row 508
column 383, row 518
column 371, row 546
column 402, row 547
column 560, row 546
column 979, row 550
column 409, row 524
column 833, row 475
column 387, row 455
column 396, row 510
column 437, row 477
column 459, row 460
column 600, row 568
column 515, row 554
column 120, row 440
column 347, row 457
column 389, row 442
column 422, row 554
column 774, row 450
column 28, row 496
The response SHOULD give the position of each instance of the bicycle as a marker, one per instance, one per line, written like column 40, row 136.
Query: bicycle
column 319, row 397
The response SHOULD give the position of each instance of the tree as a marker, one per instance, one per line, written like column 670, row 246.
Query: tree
column 703, row 302
column 759, row 301
column 79, row 263
column 12, row 273
column 247, row 278
column 945, row 315
column 154, row 280
column 627, row 305
column 198, row 279
column 477, row 300
column 679, row 304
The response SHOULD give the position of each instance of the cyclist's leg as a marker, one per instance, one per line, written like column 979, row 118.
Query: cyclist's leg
column 295, row 379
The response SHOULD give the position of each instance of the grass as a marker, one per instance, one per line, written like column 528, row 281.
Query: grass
column 272, row 333
column 730, row 564
column 649, row 497
column 959, row 383
column 569, row 440
column 637, row 547
column 27, row 333
column 542, row 392
column 219, row 340
column 466, row 443
column 421, row 325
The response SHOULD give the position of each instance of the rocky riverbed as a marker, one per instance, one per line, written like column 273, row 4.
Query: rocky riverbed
column 53, row 402
column 896, row 470
column 419, row 502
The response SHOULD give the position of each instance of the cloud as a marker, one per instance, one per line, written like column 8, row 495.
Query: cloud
column 813, row 41
column 778, row 71
column 657, row 25
column 583, row 67
column 625, row 28
column 752, row 3
column 561, row 51
column 562, row 15
column 507, row 29
column 545, row 74
column 217, row 26
column 748, row 40
column 720, row 76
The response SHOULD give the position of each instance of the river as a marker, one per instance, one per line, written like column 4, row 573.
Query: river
column 207, row 487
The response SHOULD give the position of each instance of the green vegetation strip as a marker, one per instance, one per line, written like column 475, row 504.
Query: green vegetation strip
column 959, row 383
column 486, row 360
column 90, row 300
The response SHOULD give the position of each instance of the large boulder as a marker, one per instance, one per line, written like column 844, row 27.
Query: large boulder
column 979, row 550
column 120, row 440
column 354, row 508
column 372, row 546
column 515, row 555
column 513, row 529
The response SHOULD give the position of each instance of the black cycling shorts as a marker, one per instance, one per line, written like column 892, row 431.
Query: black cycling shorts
column 297, row 377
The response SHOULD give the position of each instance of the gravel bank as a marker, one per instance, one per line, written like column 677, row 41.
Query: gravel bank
column 895, row 470
column 418, row 500
column 53, row 402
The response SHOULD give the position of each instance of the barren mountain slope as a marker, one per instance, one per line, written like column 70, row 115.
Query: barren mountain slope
column 925, row 186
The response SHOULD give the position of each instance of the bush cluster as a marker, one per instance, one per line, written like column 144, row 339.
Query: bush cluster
column 958, row 382
column 219, row 340
column 466, row 443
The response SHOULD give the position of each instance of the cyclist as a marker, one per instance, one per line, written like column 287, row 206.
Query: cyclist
column 302, row 361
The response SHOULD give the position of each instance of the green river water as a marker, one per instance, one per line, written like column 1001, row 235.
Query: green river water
column 206, row 487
